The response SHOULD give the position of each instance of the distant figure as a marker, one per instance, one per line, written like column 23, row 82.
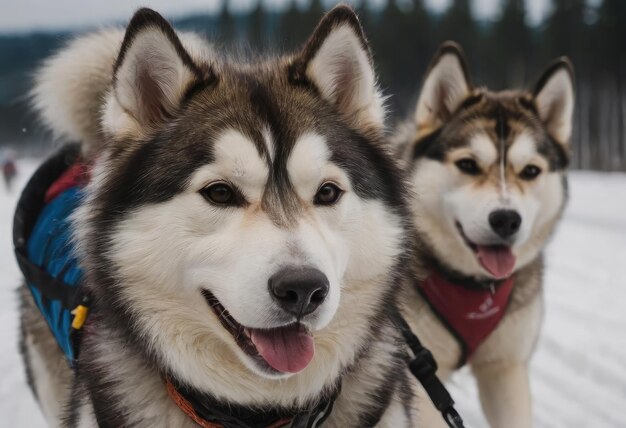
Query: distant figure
column 9, row 171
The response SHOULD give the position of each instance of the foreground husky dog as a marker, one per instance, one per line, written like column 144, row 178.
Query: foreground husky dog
column 242, row 235
column 488, row 170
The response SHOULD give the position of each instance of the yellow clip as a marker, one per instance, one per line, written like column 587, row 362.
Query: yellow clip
column 80, row 315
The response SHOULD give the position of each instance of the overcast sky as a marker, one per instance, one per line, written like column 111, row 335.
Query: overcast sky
column 27, row 15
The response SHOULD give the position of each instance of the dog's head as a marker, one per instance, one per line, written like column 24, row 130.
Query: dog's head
column 244, row 220
column 488, row 167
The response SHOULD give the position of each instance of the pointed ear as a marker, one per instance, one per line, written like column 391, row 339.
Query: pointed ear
column 152, row 74
column 446, row 85
column 337, row 61
column 554, row 99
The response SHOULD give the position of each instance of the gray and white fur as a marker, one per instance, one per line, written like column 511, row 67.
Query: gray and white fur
column 164, row 118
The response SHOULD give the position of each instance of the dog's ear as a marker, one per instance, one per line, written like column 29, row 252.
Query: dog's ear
column 554, row 98
column 446, row 85
column 337, row 61
column 152, row 74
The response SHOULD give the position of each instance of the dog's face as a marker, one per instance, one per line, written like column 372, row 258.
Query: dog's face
column 488, row 168
column 246, row 212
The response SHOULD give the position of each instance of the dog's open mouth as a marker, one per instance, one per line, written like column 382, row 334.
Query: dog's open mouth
column 287, row 349
column 498, row 260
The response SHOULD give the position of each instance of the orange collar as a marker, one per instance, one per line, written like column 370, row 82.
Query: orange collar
column 185, row 405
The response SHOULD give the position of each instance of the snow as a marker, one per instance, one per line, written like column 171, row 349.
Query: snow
column 578, row 373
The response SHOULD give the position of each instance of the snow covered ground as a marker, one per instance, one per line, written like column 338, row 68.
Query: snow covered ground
column 579, row 370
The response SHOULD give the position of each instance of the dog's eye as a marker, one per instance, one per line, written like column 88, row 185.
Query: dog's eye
column 530, row 172
column 468, row 166
column 220, row 194
column 328, row 194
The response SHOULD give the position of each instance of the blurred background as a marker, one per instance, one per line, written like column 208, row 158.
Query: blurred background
column 578, row 374
column 508, row 43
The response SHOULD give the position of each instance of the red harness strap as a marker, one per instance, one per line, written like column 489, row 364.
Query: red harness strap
column 184, row 405
column 471, row 315
column 75, row 175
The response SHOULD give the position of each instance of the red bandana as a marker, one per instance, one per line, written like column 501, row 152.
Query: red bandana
column 469, row 314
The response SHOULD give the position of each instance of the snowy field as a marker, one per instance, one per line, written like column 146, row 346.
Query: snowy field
column 578, row 372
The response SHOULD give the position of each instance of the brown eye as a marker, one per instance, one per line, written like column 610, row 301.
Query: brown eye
column 468, row 166
column 328, row 194
column 530, row 172
column 219, row 194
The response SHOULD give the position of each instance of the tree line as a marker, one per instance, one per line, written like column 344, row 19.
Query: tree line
column 503, row 53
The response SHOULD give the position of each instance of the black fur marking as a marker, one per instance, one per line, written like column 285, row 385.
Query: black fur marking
column 24, row 349
column 265, row 107
column 557, row 156
column 429, row 147
column 143, row 180
column 279, row 198
column 528, row 104
column 373, row 172
column 406, row 394
column 196, row 88
column 382, row 396
column 71, row 417
column 470, row 101
column 94, row 382
column 502, row 128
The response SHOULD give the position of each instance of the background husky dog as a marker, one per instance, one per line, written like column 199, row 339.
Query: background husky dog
column 488, row 171
column 243, row 234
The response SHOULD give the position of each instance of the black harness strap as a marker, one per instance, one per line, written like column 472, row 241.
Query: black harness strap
column 51, row 288
column 424, row 368
column 32, row 200
column 212, row 412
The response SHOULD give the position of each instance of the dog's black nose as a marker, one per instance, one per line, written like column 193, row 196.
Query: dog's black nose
column 505, row 222
column 299, row 291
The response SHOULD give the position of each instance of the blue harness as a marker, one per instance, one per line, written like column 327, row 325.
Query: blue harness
column 43, row 246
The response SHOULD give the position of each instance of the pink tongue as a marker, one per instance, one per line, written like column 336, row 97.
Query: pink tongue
column 287, row 349
column 498, row 260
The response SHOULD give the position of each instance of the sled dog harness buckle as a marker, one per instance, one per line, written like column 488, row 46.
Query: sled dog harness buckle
column 424, row 367
column 80, row 316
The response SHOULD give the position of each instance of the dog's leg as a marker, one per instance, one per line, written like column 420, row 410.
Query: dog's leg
column 427, row 415
column 505, row 394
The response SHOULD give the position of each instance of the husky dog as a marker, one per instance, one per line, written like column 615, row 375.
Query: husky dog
column 488, row 172
column 243, row 235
